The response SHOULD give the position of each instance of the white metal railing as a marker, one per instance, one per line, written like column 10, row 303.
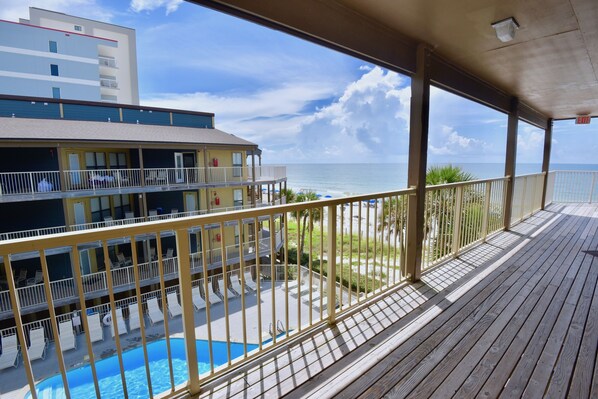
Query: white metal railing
column 110, row 83
column 107, row 61
column 572, row 186
column 269, row 172
column 19, row 183
column 459, row 215
column 15, row 183
column 32, row 233
column 527, row 196
column 96, row 179
column 106, row 223
column 33, row 295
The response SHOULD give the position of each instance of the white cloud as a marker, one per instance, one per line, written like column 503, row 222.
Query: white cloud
column 366, row 123
column 449, row 142
column 151, row 5
column 11, row 10
column 530, row 138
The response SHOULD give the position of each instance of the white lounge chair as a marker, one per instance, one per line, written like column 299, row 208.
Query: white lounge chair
column 39, row 278
column 121, row 327
column 236, row 284
column 222, row 288
column 96, row 332
column 67, row 336
column 134, row 319
column 212, row 297
column 10, row 352
column 249, row 281
column 198, row 301
column 174, row 308
column 169, row 253
column 38, row 344
column 154, row 312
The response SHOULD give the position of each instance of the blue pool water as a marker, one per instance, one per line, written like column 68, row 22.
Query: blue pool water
column 81, row 383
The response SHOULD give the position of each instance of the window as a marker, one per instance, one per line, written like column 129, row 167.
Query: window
column 237, row 234
column 55, row 92
column 54, row 69
column 53, row 46
column 95, row 160
column 118, row 160
column 100, row 208
column 238, row 198
column 78, row 28
column 237, row 164
column 122, row 205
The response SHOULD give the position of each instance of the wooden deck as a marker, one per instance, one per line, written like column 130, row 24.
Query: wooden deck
column 515, row 317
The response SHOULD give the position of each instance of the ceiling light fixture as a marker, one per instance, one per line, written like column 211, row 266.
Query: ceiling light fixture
column 505, row 29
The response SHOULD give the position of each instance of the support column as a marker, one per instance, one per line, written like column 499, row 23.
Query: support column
column 206, row 175
column 62, row 181
column 253, row 199
column 141, row 167
column 546, row 158
column 510, row 160
column 418, row 157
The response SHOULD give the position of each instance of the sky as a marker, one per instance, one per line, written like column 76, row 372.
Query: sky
column 302, row 103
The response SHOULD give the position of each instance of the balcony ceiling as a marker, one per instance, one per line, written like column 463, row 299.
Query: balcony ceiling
column 551, row 65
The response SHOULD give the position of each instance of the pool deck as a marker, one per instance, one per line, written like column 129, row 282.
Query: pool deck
column 13, row 382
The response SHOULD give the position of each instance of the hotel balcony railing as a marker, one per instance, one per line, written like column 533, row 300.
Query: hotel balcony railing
column 13, row 235
column 43, row 182
column 109, row 83
column 358, row 242
column 107, row 61
column 34, row 295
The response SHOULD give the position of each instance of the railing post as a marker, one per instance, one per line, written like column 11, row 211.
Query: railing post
column 31, row 183
column 331, row 267
column 457, row 221
column 418, row 156
column 183, row 251
column 486, row 210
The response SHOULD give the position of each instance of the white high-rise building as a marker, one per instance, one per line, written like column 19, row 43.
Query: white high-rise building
column 52, row 54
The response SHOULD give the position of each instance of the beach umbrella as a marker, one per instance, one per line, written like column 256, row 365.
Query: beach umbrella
column 319, row 195
column 328, row 196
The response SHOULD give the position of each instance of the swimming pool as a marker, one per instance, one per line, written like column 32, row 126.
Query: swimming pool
column 81, row 382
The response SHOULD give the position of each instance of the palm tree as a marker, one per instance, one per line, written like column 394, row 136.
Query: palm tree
column 303, row 215
column 439, row 214
column 440, row 205
column 314, row 216
column 446, row 174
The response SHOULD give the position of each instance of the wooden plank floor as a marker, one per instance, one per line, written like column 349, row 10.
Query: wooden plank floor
column 515, row 317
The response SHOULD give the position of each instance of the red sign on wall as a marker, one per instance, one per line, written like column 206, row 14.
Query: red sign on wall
column 583, row 120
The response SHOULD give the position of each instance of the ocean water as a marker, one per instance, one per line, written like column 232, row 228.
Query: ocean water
column 344, row 179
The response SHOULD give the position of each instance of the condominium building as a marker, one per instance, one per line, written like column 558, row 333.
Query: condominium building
column 70, row 165
column 55, row 55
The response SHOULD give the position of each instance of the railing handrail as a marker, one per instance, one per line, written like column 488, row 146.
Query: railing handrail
column 530, row 174
column 465, row 183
